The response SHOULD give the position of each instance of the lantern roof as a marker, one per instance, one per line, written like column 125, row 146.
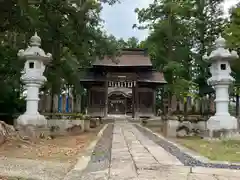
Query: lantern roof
column 221, row 52
column 34, row 52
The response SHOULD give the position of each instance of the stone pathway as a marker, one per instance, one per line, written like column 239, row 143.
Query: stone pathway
column 135, row 157
column 122, row 153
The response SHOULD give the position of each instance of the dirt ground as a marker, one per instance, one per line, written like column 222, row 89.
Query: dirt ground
column 61, row 148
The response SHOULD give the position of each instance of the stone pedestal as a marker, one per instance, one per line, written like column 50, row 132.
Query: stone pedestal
column 85, row 125
column 201, row 125
column 97, row 121
column 32, row 132
column 32, row 119
column 222, row 126
column 170, row 127
column 32, row 116
column 222, row 121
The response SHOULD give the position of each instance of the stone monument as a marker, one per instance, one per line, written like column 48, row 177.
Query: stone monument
column 32, row 77
column 222, row 123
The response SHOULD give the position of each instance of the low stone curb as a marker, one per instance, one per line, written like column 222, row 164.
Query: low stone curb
column 83, row 161
column 216, row 171
column 202, row 162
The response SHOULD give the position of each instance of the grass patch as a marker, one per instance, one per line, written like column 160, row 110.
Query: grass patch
column 214, row 150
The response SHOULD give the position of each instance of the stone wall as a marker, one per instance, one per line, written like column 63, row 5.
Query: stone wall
column 57, row 127
column 61, row 126
column 190, row 105
column 172, row 125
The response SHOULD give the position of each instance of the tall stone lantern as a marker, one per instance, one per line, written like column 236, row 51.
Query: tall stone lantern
column 221, row 124
column 32, row 77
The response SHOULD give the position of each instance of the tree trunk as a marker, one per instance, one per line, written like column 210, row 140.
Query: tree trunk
column 52, row 103
column 237, row 101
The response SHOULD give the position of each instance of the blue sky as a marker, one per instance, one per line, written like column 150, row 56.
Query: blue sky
column 120, row 18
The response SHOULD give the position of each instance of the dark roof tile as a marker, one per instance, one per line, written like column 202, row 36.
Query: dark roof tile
column 127, row 58
column 151, row 76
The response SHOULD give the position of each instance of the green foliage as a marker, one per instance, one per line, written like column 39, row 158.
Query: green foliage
column 181, row 33
column 168, row 45
column 233, row 39
column 70, row 30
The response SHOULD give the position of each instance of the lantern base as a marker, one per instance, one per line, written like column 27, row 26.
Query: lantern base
column 31, row 119
column 222, row 126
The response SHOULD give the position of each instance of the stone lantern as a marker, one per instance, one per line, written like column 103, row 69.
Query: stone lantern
column 221, row 124
column 32, row 77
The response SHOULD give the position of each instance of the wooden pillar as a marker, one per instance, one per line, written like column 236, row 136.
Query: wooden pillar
column 125, row 105
column 88, row 101
column 133, row 101
column 137, row 100
column 154, row 101
column 106, row 99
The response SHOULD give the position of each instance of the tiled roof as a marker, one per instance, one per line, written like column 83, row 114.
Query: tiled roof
column 128, row 57
column 151, row 76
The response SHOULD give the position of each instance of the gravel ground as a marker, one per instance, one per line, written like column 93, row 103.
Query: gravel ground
column 101, row 156
column 183, row 157
column 33, row 168
column 14, row 178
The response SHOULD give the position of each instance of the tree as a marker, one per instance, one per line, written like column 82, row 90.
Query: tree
column 168, row 43
column 181, row 33
column 70, row 30
column 233, row 39
column 207, row 24
column 132, row 42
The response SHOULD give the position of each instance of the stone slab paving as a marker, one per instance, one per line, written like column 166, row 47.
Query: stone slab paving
column 122, row 165
column 139, row 158
column 133, row 156
column 136, row 157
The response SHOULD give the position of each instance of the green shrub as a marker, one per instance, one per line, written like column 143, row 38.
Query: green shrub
column 86, row 117
column 79, row 116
